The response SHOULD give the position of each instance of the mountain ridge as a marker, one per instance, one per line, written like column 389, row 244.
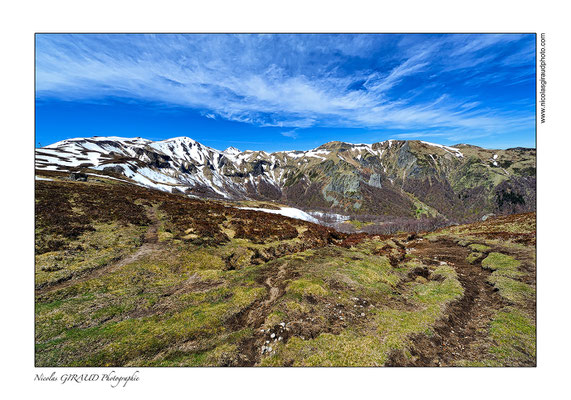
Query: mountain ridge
column 401, row 178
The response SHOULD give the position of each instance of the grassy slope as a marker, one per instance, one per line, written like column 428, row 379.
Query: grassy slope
column 220, row 286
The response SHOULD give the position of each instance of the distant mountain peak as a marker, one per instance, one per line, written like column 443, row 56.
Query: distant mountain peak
column 335, row 145
column 232, row 151
column 181, row 139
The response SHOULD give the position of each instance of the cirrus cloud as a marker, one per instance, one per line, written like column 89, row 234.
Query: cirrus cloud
column 455, row 83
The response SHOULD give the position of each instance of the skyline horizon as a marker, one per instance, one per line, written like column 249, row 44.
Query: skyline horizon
column 113, row 137
column 278, row 91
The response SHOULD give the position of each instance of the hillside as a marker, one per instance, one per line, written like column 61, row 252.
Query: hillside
column 402, row 179
column 131, row 276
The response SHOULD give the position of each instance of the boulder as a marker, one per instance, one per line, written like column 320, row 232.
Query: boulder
column 78, row 176
column 117, row 169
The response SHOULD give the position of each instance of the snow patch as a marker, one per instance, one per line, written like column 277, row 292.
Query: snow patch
column 325, row 215
column 157, row 176
column 451, row 150
column 287, row 212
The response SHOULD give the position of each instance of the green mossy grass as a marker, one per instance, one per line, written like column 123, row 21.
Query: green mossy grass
column 514, row 336
column 384, row 330
column 481, row 248
column 505, row 277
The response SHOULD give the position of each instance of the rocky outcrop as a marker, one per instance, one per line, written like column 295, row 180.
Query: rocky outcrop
column 375, row 181
column 78, row 176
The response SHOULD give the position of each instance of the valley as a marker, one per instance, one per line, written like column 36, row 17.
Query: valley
column 379, row 188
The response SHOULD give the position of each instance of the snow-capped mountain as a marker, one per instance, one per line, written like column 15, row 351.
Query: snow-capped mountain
column 403, row 178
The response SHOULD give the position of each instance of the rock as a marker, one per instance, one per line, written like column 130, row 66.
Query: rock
column 258, row 167
column 485, row 217
column 51, row 268
column 411, row 237
column 375, row 181
column 187, row 168
column 117, row 169
column 78, row 176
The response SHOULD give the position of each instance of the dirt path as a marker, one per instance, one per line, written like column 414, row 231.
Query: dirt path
column 255, row 315
column 271, row 283
column 462, row 335
column 150, row 245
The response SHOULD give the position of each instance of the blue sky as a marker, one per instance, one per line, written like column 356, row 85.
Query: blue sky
column 285, row 92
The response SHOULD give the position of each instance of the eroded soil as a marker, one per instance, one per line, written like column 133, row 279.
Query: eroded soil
column 462, row 335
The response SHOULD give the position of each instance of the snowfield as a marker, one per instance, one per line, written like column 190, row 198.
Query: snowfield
column 287, row 212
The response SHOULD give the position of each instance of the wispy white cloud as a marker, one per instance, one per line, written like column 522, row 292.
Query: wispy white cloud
column 471, row 44
column 285, row 81
column 291, row 134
